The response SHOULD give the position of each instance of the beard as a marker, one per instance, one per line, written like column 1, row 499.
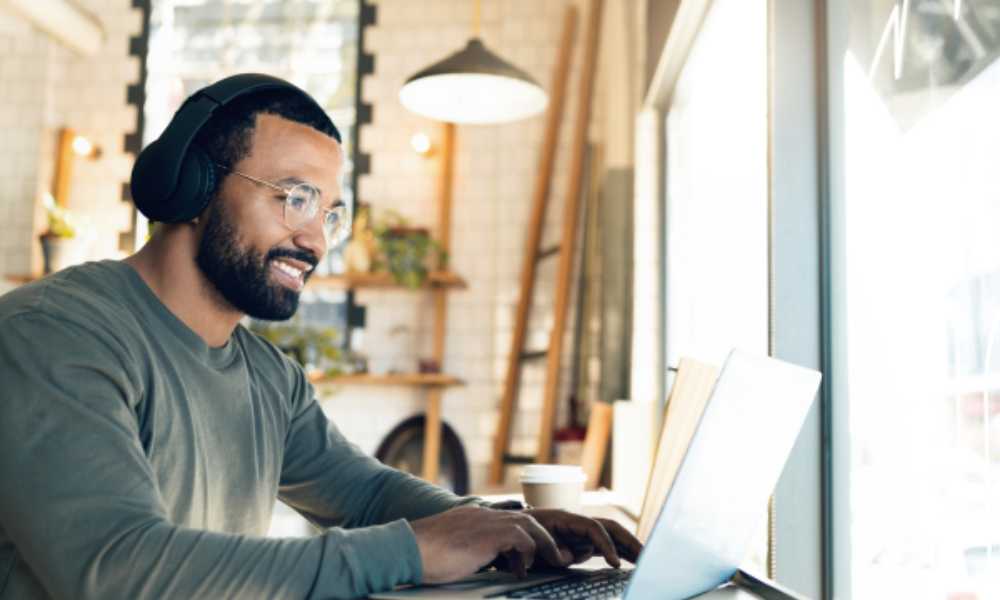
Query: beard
column 241, row 274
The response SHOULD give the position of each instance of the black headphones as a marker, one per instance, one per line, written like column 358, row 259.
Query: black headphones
column 172, row 179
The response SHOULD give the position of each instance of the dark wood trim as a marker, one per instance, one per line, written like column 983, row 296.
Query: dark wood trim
column 135, row 94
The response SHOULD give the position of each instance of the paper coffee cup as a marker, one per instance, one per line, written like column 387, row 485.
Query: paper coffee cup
column 553, row 486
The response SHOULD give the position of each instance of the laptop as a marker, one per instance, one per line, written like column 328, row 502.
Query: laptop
column 707, row 521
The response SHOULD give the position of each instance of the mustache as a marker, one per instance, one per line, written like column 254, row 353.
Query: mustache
column 303, row 255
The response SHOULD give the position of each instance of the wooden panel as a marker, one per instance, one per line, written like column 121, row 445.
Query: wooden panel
column 571, row 216
column 595, row 445
column 432, row 436
column 432, row 423
column 540, row 198
column 688, row 398
column 447, row 185
column 63, row 178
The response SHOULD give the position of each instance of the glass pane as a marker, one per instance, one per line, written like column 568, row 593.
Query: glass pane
column 921, row 297
column 716, row 183
column 717, row 195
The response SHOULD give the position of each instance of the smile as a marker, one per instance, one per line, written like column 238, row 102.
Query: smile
column 288, row 275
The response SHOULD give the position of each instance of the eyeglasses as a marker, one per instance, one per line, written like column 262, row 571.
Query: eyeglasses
column 301, row 205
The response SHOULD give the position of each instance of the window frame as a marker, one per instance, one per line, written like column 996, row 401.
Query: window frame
column 802, row 523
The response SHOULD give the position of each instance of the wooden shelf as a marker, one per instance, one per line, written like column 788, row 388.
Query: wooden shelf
column 398, row 379
column 348, row 281
column 22, row 279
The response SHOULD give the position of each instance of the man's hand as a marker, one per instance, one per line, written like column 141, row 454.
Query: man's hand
column 458, row 542
column 583, row 536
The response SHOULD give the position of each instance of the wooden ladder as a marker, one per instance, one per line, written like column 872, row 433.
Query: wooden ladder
column 534, row 253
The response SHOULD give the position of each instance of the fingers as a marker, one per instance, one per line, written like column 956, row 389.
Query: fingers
column 627, row 544
column 597, row 535
column 545, row 544
column 517, row 547
column 516, row 564
column 582, row 552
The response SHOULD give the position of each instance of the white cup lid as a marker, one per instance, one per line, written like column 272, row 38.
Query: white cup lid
column 552, row 474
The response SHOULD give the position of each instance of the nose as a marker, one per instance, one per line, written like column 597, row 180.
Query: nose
column 312, row 238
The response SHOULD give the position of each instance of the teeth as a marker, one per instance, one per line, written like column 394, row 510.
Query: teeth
column 289, row 269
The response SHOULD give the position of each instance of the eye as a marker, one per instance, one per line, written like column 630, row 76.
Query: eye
column 336, row 215
column 301, row 198
column 297, row 201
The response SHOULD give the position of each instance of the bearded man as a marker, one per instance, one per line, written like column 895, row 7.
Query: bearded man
column 145, row 434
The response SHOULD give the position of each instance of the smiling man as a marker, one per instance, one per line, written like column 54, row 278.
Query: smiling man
column 145, row 434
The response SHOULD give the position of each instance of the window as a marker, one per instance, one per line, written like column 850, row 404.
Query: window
column 917, row 297
column 717, row 194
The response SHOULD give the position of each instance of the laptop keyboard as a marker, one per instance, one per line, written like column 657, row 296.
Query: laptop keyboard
column 608, row 583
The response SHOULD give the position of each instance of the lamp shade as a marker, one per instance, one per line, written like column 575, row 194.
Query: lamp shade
column 474, row 86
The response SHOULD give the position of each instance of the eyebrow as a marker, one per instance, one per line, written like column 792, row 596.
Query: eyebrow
column 290, row 181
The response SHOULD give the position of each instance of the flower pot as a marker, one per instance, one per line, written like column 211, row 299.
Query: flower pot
column 60, row 252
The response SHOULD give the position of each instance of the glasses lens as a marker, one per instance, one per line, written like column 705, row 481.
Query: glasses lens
column 337, row 224
column 300, row 205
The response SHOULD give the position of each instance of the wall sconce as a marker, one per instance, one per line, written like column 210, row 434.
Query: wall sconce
column 71, row 145
column 421, row 144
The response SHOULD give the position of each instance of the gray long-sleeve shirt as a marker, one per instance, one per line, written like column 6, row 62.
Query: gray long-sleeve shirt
column 138, row 462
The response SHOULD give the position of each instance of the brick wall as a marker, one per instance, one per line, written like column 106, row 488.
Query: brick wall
column 46, row 86
column 494, row 174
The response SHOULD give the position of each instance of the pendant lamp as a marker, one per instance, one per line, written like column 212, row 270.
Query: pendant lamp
column 473, row 86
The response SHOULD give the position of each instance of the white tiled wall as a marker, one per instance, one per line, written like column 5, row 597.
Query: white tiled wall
column 24, row 60
column 494, row 175
column 45, row 86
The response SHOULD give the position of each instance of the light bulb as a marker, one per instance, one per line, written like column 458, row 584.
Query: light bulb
column 421, row 143
column 82, row 146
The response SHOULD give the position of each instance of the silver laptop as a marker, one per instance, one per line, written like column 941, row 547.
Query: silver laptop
column 717, row 500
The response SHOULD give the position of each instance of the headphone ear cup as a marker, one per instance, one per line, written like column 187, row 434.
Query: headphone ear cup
column 146, row 195
column 195, row 184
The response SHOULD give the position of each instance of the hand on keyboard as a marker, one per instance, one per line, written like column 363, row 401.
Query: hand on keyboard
column 456, row 543
column 584, row 536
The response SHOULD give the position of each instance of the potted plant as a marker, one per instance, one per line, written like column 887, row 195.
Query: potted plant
column 359, row 253
column 315, row 347
column 404, row 251
column 60, row 245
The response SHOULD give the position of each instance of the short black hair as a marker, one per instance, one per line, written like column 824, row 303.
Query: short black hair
column 228, row 135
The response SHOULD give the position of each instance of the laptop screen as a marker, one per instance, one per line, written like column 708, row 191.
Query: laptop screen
column 721, row 490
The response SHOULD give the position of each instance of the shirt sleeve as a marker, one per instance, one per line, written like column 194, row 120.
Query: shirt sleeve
column 332, row 482
column 81, row 505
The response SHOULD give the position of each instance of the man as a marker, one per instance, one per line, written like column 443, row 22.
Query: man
column 145, row 434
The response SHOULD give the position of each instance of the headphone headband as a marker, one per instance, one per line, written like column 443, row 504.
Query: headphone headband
column 171, row 179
